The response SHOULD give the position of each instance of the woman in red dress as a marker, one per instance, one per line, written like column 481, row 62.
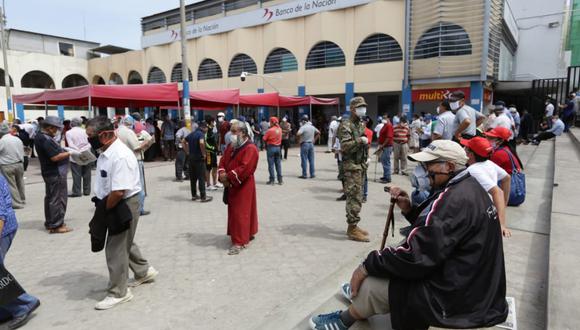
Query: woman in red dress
column 236, row 172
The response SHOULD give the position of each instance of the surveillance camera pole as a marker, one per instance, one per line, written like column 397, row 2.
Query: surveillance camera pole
column 4, row 43
column 184, row 69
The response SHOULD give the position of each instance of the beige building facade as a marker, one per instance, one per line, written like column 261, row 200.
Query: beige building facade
column 356, row 49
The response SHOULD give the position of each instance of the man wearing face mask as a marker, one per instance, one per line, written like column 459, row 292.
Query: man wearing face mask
column 194, row 144
column 467, row 119
column 445, row 127
column 449, row 271
column 54, row 167
column 117, row 179
column 354, row 150
column 557, row 128
column 236, row 173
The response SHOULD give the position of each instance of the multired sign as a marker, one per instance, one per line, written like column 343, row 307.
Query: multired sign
column 434, row 95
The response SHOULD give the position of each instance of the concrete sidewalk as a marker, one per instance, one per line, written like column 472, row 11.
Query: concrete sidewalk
column 526, row 258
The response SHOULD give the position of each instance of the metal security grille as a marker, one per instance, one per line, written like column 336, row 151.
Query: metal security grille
column 280, row 60
column 209, row 69
column 444, row 40
column 207, row 11
column 156, row 76
column 378, row 48
column 241, row 63
column 176, row 73
column 495, row 37
column 325, row 54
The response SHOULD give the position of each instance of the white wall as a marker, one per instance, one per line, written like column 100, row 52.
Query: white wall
column 540, row 50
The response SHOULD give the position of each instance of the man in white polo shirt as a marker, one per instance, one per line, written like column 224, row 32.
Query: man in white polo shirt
column 117, row 178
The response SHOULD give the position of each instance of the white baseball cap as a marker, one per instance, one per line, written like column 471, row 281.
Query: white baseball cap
column 444, row 150
column 221, row 114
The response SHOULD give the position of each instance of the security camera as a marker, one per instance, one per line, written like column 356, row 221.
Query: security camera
column 243, row 76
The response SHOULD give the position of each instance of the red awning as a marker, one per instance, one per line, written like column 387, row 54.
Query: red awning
column 323, row 101
column 293, row 101
column 133, row 96
column 259, row 100
column 214, row 99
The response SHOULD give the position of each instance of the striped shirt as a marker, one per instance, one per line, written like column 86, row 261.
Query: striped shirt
column 401, row 134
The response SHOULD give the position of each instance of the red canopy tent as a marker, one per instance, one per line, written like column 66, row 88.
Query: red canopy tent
column 133, row 96
column 214, row 99
column 260, row 100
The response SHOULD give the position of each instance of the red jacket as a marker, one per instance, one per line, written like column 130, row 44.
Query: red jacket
column 386, row 134
column 273, row 136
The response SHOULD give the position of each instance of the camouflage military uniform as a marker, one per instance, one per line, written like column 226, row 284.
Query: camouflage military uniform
column 354, row 156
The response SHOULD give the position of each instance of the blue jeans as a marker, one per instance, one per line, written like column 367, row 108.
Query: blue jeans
column 24, row 303
column 274, row 161
column 307, row 154
column 142, row 193
column 386, row 162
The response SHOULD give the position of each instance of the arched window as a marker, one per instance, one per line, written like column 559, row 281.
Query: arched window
column 280, row 60
column 378, row 48
column 241, row 63
column 443, row 40
column 176, row 73
column 115, row 79
column 2, row 81
column 324, row 54
column 98, row 80
column 156, row 76
column 74, row 80
column 209, row 69
column 37, row 79
column 134, row 78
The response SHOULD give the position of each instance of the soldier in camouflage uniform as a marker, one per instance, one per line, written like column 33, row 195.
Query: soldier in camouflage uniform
column 353, row 143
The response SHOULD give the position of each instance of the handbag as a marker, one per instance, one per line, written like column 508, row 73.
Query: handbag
column 518, row 184
column 9, row 288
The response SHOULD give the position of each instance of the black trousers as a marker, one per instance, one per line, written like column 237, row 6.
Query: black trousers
column 285, row 146
column 55, row 200
column 197, row 177
column 544, row 136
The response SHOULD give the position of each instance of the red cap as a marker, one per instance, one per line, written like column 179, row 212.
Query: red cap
column 481, row 146
column 500, row 133
column 274, row 120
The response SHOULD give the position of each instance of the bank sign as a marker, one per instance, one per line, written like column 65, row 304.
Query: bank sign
column 257, row 17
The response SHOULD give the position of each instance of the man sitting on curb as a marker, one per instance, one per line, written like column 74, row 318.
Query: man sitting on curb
column 449, row 272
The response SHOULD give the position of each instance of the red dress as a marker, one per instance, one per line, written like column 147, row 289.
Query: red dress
column 239, row 166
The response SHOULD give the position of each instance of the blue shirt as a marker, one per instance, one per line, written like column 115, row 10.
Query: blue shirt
column 557, row 128
column 6, row 211
column 193, row 143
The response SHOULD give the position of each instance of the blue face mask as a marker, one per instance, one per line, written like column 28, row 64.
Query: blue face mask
column 420, row 179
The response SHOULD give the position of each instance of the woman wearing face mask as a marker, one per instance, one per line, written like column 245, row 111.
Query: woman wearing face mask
column 54, row 168
column 236, row 172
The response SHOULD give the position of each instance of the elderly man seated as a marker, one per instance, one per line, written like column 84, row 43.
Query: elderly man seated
column 449, row 271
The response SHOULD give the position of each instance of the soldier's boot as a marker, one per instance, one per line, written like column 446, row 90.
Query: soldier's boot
column 356, row 234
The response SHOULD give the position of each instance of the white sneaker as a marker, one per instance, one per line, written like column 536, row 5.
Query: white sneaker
column 219, row 185
column 148, row 278
column 110, row 302
column 211, row 188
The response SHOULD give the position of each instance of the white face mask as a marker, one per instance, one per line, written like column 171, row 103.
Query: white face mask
column 220, row 119
column 361, row 112
column 454, row 105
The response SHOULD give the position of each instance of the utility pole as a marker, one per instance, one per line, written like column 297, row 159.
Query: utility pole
column 184, row 69
column 9, row 111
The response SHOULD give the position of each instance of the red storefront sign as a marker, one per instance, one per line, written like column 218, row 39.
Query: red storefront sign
column 434, row 95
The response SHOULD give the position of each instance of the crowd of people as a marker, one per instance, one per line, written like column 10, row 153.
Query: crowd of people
column 459, row 155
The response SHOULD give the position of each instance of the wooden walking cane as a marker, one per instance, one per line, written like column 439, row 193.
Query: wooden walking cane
column 390, row 221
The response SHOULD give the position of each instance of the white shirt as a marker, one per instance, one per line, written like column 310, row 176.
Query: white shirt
column 332, row 128
column 117, row 169
column 129, row 138
column 11, row 150
column 487, row 174
column 77, row 139
column 29, row 128
column 378, row 128
column 549, row 110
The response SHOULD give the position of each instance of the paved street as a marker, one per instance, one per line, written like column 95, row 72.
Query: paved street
column 300, row 243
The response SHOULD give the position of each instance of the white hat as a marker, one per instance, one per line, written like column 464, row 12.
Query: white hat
column 221, row 114
column 444, row 150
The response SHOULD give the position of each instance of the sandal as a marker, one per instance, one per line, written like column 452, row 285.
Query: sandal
column 60, row 230
column 235, row 249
